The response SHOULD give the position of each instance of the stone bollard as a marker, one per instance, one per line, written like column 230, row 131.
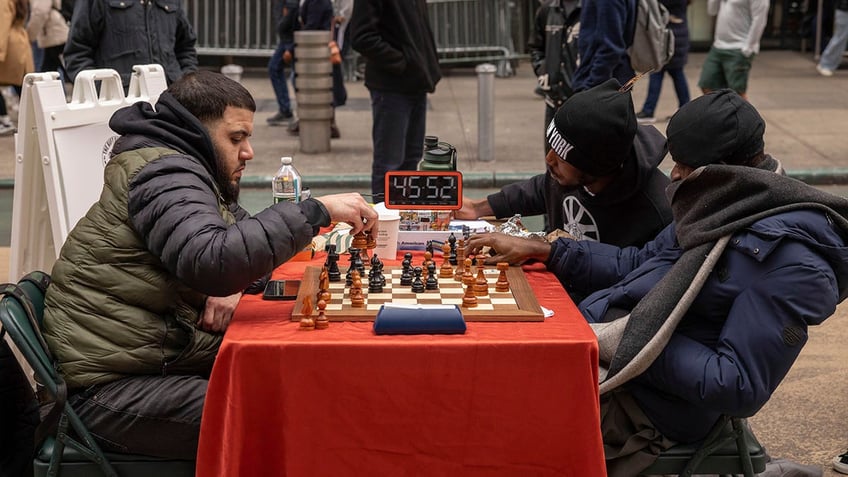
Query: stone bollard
column 314, row 90
column 486, row 112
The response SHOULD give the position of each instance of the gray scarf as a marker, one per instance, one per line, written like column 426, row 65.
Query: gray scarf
column 708, row 207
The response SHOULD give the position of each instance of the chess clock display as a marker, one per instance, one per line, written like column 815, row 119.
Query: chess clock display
column 429, row 190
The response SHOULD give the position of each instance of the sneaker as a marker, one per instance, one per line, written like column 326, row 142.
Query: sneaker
column 280, row 118
column 840, row 463
column 7, row 129
column 824, row 71
column 644, row 118
column 294, row 128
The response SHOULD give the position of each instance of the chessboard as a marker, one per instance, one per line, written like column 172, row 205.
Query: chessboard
column 517, row 304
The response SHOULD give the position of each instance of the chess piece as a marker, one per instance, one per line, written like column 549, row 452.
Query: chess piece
column 321, row 321
column 406, row 271
column 323, row 283
column 481, row 286
column 429, row 247
column 356, row 261
column 371, row 240
column 333, row 264
column 469, row 299
column 467, row 276
column 428, row 257
column 452, row 252
column 375, row 283
column 360, row 242
column 502, row 285
column 357, row 300
column 460, row 260
column 306, row 322
column 417, row 284
column 432, row 283
column 446, row 271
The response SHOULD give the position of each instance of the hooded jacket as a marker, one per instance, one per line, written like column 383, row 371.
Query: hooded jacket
column 631, row 210
column 747, row 325
column 133, row 276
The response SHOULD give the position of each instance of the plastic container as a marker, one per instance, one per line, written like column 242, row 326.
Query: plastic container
column 438, row 156
column 286, row 185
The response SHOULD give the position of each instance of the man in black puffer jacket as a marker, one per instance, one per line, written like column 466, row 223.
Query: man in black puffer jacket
column 148, row 280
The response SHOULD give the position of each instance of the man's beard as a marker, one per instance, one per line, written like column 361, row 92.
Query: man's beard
column 228, row 187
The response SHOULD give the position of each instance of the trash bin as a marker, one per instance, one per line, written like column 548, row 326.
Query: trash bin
column 314, row 90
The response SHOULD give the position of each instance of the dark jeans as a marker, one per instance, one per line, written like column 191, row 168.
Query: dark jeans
column 681, row 87
column 149, row 415
column 398, row 134
column 277, row 73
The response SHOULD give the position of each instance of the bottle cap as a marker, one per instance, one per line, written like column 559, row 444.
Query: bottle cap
column 286, row 160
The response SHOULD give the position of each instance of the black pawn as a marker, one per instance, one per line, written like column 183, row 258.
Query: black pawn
column 375, row 284
column 417, row 284
column 452, row 242
column 333, row 272
column 432, row 282
column 406, row 273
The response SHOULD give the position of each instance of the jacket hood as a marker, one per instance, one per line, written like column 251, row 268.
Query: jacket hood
column 648, row 151
column 169, row 124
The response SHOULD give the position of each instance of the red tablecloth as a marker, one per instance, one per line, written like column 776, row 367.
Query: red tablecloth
column 504, row 399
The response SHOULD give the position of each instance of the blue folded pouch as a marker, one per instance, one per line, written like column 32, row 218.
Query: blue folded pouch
column 419, row 319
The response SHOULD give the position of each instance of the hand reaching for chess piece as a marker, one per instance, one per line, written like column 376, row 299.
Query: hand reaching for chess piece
column 514, row 250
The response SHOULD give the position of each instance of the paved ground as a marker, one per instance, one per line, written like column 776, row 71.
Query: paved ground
column 806, row 116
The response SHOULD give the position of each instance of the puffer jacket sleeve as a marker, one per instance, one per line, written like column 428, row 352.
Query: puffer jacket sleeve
column 586, row 266
column 173, row 206
column 766, row 328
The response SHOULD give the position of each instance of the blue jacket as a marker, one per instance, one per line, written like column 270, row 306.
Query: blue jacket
column 121, row 34
column 743, row 331
column 606, row 31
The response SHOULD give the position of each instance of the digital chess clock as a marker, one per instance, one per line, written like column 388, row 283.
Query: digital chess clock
column 431, row 190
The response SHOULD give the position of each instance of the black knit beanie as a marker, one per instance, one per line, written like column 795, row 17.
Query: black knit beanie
column 717, row 127
column 594, row 129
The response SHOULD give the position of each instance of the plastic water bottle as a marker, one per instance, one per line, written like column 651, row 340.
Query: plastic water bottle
column 286, row 185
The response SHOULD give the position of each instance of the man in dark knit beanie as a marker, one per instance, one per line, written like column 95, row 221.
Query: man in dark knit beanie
column 601, row 183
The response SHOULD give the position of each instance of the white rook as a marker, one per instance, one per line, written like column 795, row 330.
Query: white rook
column 314, row 89
column 486, row 112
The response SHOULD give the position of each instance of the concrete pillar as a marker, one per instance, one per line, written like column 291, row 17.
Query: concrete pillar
column 486, row 112
column 314, row 89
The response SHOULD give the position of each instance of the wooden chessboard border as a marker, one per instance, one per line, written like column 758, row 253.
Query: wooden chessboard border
column 525, row 299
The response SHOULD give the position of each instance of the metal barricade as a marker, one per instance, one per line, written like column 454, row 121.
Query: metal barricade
column 466, row 31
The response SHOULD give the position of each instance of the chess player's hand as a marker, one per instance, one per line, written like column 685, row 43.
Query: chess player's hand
column 218, row 312
column 352, row 209
column 473, row 209
column 515, row 250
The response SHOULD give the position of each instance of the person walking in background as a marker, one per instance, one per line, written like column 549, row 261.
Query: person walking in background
column 738, row 28
column 606, row 31
column 15, row 54
column 286, row 15
column 402, row 66
column 832, row 55
column 674, row 68
column 50, row 30
column 553, row 53
column 119, row 35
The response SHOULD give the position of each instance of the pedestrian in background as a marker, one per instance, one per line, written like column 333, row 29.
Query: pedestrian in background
column 286, row 15
column 49, row 29
column 120, row 35
column 553, row 53
column 674, row 68
column 15, row 54
column 606, row 31
column 832, row 55
column 402, row 66
column 738, row 28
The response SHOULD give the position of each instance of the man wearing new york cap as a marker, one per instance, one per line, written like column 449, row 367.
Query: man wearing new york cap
column 601, row 182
